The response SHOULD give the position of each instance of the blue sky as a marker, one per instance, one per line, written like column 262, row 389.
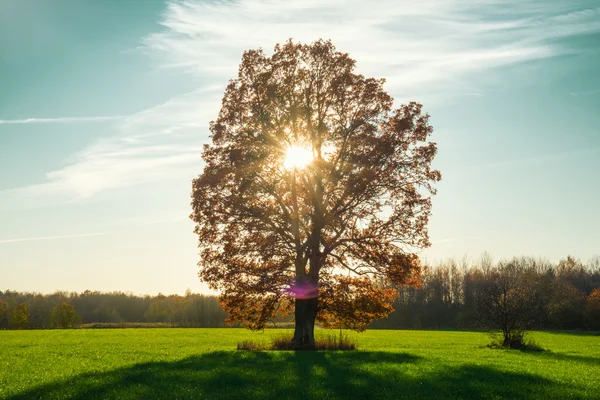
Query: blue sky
column 104, row 107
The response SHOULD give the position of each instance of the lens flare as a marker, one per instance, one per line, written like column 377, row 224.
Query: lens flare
column 305, row 290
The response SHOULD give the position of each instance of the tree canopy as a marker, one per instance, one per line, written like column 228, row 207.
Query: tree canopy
column 312, row 175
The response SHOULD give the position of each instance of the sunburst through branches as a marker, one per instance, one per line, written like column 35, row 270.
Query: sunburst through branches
column 297, row 157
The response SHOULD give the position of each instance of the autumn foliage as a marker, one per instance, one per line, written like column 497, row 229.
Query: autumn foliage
column 353, row 302
column 360, row 206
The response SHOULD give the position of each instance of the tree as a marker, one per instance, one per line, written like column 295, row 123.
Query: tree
column 64, row 316
column 592, row 309
column 353, row 302
column 3, row 314
column 19, row 318
column 39, row 311
column 310, row 173
column 509, row 301
column 565, row 306
column 159, row 310
column 106, row 311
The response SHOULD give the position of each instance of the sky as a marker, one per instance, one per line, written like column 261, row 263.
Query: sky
column 105, row 106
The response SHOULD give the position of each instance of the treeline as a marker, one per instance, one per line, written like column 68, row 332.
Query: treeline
column 64, row 310
column 463, row 295
column 453, row 295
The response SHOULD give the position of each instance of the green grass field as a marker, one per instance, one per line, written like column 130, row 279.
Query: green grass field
column 203, row 363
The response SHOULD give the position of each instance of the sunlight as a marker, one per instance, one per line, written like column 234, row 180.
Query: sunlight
column 297, row 157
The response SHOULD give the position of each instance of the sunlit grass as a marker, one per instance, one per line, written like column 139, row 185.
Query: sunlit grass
column 204, row 363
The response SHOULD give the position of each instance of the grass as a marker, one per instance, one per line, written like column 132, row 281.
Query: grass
column 284, row 342
column 203, row 363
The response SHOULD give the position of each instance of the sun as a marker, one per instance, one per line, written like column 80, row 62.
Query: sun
column 297, row 157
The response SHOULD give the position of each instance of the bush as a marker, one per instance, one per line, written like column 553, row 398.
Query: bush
column 249, row 345
column 284, row 342
column 517, row 340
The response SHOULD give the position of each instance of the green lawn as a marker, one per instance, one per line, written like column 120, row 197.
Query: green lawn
column 202, row 363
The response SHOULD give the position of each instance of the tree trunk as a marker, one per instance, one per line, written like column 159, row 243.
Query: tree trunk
column 305, row 315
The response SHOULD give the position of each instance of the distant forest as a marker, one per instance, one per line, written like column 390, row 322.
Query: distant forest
column 64, row 310
column 565, row 295
column 455, row 295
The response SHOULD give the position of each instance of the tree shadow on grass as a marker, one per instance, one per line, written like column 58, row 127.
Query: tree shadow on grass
column 301, row 375
column 593, row 361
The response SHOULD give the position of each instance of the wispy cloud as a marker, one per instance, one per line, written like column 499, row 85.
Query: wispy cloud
column 163, row 142
column 4, row 241
column 59, row 120
column 585, row 93
column 422, row 48
column 538, row 159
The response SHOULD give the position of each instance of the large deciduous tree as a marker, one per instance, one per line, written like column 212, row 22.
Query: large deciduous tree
column 312, row 176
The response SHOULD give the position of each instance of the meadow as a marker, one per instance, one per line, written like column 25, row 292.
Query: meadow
column 203, row 363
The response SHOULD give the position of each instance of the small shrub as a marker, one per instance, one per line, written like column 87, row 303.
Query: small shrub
column 512, row 338
column 516, row 340
column 251, row 346
column 284, row 342
column 333, row 342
